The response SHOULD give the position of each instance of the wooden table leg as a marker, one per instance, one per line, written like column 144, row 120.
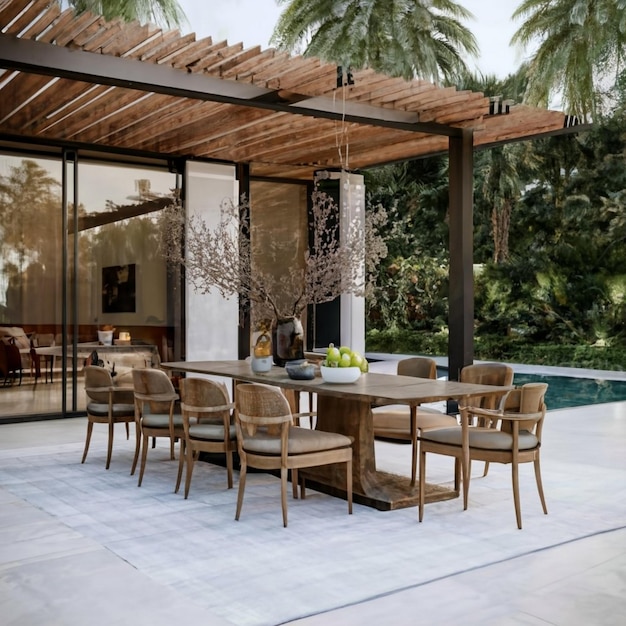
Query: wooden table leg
column 381, row 490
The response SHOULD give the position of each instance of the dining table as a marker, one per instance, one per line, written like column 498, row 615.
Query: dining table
column 346, row 409
column 85, row 349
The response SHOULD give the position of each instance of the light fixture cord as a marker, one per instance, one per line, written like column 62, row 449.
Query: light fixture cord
column 341, row 134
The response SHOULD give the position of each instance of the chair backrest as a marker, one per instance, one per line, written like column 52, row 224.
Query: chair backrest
column 261, row 407
column 498, row 374
column 97, row 378
column 43, row 340
column 527, row 399
column 198, row 393
column 154, row 382
column 418, row 366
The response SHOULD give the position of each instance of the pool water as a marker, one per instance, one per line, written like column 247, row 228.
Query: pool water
column 564, row 391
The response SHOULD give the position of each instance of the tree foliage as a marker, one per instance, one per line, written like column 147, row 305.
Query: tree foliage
column 580, row 47
column 563, row 281
column 408, row 38
column 166, row 12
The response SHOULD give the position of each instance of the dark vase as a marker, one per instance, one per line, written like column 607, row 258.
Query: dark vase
column 288, row 340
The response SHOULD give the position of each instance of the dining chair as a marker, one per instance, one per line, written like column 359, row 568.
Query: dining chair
column 498, row 374
column 41, row 340
column 403, row 423
column 10, row 362
column 107, row 404
column 510, row 435
column 155, row 412
column 300, row 418
column 268, row 440
column 208, row 426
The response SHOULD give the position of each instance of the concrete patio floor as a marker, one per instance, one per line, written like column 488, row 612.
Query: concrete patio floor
column 82, row 545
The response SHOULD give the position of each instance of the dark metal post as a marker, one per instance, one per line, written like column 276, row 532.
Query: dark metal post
column 243, row 176
column 461, row 294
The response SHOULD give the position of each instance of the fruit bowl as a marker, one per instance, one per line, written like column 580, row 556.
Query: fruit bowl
column 340, row 374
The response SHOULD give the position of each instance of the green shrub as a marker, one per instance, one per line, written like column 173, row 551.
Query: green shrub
column 497, row 348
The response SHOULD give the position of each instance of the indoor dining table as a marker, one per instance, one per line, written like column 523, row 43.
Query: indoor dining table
column 346, row 409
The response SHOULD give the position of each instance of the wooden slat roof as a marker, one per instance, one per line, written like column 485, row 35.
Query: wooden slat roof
column 83, row 80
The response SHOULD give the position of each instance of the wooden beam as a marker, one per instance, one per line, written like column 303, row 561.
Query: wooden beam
column 39, row 58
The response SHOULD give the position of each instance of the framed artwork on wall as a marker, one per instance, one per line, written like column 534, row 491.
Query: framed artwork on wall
column 119, row 289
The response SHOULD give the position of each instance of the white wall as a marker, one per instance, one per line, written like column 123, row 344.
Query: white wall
column 352, row 201
column 212, row 321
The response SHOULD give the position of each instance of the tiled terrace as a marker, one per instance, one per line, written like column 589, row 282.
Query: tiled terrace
column 82, row 545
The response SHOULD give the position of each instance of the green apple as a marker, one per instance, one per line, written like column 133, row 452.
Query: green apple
column 345, row 360
column 356, row 360
column 345, row 350
column 333, row 355
column 365, row 366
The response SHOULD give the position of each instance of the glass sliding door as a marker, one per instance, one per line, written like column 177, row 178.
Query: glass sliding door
column 125, row 298
column 31, row 279
column 79, row 265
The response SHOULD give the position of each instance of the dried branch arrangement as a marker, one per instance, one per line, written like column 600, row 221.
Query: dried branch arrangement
column 221, row 257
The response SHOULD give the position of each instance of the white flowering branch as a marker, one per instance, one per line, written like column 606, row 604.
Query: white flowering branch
column 221, row 258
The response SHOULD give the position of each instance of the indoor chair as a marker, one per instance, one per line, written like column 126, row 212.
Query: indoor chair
column 208, row 426
column 10, row 362
column 267, row 439
column 511, row 434
column 106, row 404
column 155, row 412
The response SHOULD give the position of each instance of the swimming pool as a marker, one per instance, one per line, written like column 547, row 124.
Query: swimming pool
column 569, row 391
column 565, row 391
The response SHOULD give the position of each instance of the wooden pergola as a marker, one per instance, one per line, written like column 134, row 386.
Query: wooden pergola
column 83, row 82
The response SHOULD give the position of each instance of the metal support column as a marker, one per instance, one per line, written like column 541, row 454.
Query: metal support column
column 461, row 293
column 243, row 350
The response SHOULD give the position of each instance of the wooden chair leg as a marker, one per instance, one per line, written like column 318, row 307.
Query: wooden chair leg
column 302, row 480
column 144, row 455
column 422, row 484
column 539, row 485
column 283, row 493
column 192, row 456
column 466, row 470
column 229, row 469
column 242, row 487
column 294, row 483
column 413, row 429
column 182, row 459
column 349, row 485
column 137, row 447
column 110, row 443
column 515, row 480
column 87, row 440
column 127, row 431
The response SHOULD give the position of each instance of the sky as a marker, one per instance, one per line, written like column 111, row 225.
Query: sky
column 251, row 22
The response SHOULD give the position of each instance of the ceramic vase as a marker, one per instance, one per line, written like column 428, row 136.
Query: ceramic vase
column 289, row 340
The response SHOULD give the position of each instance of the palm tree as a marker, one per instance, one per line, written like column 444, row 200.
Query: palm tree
column 501, row 189
column 166, row 12
column 405, row 38
column 500, row 170
column 581, row 43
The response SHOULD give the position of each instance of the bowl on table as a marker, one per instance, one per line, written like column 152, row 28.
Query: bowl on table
column 300, row 370
column 340, row 374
